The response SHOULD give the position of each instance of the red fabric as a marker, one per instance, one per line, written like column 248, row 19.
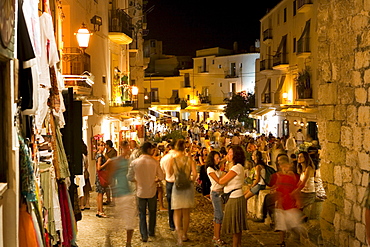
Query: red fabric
column 285, row 184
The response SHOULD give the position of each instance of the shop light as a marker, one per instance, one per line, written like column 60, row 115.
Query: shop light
column 302, row 124
column 83, row 37
column 295, row 122
column 285, row 95
column 134, row 90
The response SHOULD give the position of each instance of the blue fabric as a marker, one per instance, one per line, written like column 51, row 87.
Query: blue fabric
column 151, row 204
column 256, row 189
column 120, row 182
column 169, row 186
column 217, row 207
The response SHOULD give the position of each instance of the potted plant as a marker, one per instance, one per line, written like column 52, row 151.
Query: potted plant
column 304, row 84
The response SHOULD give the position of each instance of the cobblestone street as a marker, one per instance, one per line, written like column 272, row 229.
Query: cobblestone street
column 106, row 232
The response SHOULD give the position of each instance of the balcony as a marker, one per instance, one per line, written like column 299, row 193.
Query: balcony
column 174, row 100
column 304, row 6
column 120, row 27
column 280, row 61
column 125, row 106
column 265, row 65
column 204, row 99
column 267, row 36
column 303, row 47
column 203, row 69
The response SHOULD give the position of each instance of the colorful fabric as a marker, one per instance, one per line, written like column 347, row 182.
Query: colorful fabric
column 28, row 187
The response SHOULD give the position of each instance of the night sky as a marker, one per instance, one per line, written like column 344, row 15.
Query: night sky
column 187, row 26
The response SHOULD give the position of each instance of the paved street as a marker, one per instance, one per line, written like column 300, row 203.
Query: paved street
column 105, row 232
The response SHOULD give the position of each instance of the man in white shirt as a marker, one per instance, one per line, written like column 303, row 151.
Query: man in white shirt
column 146, row 172
column 170, row 179
column 300, row 137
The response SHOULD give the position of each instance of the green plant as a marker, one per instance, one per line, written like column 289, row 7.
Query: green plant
column 303, row 79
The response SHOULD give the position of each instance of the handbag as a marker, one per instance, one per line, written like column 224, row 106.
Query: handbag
column 320, row 191
column 225, row 196
column 104, row 178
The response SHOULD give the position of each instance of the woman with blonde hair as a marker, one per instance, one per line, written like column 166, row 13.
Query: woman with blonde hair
column 182, row 196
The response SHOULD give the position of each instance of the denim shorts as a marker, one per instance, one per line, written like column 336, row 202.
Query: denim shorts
column 217, row 207
column 256, row 189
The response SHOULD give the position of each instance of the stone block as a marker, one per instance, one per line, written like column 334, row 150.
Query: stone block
column 327, row 172
column 343, row 238
column 347, row 95
column 365, row 179
column 361, row 95
column 358, row 138
column 347, row 208
column 366, row 144
column 338, row 175
column 326, row 98
column 350, row 192
column 367, row 76
column 357, row 176
column 353, row 242
column 351, row 114
column 362, row 58
column 357, row 212
column 364, row 116
column 335, row 153
column 351, row 158
column 328, row 211
column 327, row 231
column 363, row 161
column 346, row 224
column 347, row 174
column 340, row 112
column 360, row 193
column 326, row 112
column 333, row 131
column 360, row 232
column 346, row 137
column 357, row 78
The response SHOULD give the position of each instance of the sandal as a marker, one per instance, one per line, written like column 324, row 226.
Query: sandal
column 101, row 215
column 218, row 242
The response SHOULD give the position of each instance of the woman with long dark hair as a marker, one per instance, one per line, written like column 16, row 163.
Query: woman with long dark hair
column 235, row 218
column 305, row 192
column 206, row 183
column 259, row 182
column 215, row 173
column 100, row 165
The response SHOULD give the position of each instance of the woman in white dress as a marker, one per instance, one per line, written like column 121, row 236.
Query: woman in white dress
column 182, row 199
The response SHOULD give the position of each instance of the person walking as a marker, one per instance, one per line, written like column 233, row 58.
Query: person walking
column 215, row 172
column 206, row 183
column 170, row 179
column 182, row 198
column 299, row 137
column 146, row 172
column 235, row 216
column 126, row 208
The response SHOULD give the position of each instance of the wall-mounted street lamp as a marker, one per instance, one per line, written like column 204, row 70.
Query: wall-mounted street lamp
column 83, row 37
column 295, row 122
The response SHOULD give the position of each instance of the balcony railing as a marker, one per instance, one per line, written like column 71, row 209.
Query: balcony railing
column 204, row 99
column 174, row 100
column 303, row 45
column 267, row 34
column 266, row 98
column 120, row 22
column 280, row 59
column 265, row 64
column 75, row 62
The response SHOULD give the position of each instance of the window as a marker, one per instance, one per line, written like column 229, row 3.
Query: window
column 154, row 95
column 233, row 87
column 285, row 15
column 152, row 43
column 294, row 44
column 219, row 66
column 187, row 80
column 294, row 7
column 232, row 69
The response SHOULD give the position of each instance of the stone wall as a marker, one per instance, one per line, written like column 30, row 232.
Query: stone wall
column 344, row 127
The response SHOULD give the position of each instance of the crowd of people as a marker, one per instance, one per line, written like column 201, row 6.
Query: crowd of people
column 215, row 160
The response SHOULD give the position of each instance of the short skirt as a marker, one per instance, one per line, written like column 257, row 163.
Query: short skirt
column 182, row 198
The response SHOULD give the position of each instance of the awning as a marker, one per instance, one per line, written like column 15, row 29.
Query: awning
column 257, row 114
column 198, row 108
column 165, row 108
column 302, row 110
column 205, row 108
